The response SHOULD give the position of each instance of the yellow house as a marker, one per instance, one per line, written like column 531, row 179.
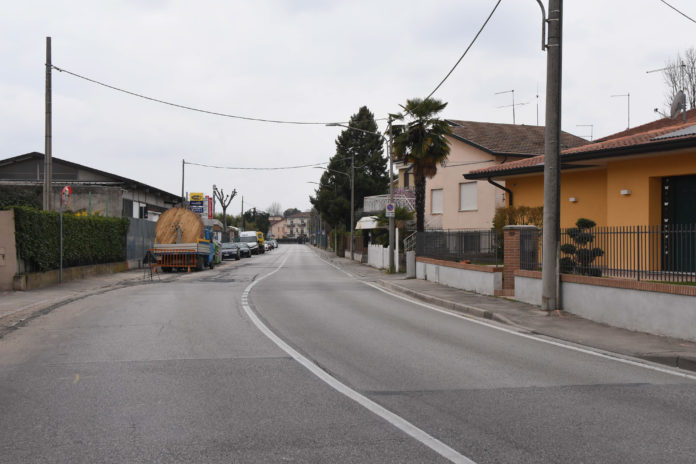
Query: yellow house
column 641, row 176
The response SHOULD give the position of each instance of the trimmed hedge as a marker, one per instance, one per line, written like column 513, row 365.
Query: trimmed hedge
column 86, row 240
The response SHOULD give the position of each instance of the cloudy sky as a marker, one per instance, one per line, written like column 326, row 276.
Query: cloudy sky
column 306, row 60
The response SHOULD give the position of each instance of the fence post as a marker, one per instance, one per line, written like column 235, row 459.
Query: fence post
column 512, row 249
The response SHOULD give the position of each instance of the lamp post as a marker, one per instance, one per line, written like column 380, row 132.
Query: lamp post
column 352, row 189
column 352, row 197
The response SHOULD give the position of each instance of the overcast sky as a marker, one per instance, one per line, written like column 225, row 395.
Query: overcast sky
column 306, row 60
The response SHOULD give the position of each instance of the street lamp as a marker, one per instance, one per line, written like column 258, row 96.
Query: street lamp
column 391, row 187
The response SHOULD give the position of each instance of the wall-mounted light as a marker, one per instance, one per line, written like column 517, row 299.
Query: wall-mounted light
column 573, row 200
column 625, row 192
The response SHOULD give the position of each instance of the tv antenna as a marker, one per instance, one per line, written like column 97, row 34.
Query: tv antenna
column 628, row 95
column 591, row 126
column 513, row 102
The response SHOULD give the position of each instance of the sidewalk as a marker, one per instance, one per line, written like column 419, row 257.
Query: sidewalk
column 17, row 308
column 558, row 325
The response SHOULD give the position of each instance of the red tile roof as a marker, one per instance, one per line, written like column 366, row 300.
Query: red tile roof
column 644, row 139
column 508, row 139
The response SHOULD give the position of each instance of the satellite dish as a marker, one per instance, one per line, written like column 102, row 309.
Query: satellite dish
column 678, row 103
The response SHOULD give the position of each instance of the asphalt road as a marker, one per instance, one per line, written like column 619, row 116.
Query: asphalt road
column 181, row 372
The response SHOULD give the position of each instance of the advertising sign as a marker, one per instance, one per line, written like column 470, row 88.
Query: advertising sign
column 210, row 207
column 196, row 197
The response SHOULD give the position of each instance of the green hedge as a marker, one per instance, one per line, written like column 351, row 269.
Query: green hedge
column 86, row 239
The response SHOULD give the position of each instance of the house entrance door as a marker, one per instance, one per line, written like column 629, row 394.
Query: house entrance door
column 679, row 223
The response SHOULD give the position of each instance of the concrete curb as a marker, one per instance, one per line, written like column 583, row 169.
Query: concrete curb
column 459, row 307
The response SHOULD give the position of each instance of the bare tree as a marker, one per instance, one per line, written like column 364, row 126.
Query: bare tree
column 225, row 201
column 275, row 209
column 680, row 74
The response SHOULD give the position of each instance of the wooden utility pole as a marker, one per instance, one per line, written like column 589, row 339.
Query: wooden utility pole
column 48, row 163
column 550, row 285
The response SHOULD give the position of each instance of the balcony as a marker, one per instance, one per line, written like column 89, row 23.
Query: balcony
column 403, row 199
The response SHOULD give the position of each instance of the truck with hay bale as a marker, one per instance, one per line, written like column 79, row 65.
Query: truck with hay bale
column 182, row 242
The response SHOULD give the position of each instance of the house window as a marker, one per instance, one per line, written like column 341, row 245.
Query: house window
column 468, row 196
column 436, row 201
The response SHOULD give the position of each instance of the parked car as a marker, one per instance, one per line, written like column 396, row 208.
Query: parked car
column 267, row 246
column 275, row 243
column 244, row 250
column 231, row 250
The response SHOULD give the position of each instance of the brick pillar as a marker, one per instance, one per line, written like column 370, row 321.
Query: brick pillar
column 511, row 261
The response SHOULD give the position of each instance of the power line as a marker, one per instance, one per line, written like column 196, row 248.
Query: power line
column 257, row 169
column 190, row 108
column 465, row 51
column 681, row 13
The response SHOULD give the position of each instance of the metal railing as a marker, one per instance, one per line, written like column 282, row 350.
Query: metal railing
column 475, row 246
column 645, row 253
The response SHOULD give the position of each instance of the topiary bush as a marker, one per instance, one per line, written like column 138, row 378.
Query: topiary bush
column 579, row 254
column 86, row 240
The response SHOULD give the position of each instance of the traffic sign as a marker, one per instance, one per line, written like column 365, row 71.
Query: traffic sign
column 390, row 210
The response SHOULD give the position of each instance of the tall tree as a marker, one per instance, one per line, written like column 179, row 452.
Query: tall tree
column 680, row 74
column 422, row 142
column 360, row 144
column 275, row 209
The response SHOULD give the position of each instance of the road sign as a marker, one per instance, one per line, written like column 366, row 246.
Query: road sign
column 389, row 210
column 65, row 195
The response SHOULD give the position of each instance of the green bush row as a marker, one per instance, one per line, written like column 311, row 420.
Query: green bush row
column 86, row 239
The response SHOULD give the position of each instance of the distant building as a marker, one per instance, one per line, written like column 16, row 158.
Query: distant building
column 297, row 225
column 94, row 192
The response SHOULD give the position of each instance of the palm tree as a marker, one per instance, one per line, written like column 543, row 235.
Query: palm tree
column 422, row 142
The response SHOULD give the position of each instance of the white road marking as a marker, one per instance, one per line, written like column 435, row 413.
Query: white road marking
column 591, row 351
column 397, row 421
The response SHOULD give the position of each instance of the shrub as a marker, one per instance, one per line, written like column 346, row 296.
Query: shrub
column 579, row 256
column 86, row 240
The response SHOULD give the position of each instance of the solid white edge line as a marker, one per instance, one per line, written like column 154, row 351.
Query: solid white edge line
column 598, row 353
column 395, row 420
column 593, row 352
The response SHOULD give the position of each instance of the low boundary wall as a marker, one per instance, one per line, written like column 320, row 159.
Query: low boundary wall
column 657, row 308
column 485, row 280
column 34, row 280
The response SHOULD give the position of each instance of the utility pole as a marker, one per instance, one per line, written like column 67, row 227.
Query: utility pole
column 243, row 221
column 552, row 173
column 183, row 199
column 352, row 201
column 48, row 162
column 391, row 196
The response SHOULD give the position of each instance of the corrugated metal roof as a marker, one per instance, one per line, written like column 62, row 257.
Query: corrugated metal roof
column 691, row 130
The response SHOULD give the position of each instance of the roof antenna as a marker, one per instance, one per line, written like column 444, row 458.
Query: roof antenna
column 513, row 103
column 678, row 104
column 629, row 107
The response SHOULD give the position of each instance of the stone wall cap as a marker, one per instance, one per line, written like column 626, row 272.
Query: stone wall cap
column 515, row 227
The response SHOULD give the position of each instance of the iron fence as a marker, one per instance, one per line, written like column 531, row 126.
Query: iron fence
column 646, row 253
column 474, row 246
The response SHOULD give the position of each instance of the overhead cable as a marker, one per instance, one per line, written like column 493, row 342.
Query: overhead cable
column 258, row 169
column 190, row 108
column 465, row 51
column 681, row 13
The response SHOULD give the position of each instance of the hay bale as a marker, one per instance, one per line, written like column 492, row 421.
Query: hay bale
column 190, row 223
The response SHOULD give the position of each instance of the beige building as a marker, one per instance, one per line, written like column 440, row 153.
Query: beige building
column 453, row 202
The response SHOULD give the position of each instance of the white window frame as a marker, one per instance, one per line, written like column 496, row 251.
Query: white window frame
column 470, row 205
column 433, row 202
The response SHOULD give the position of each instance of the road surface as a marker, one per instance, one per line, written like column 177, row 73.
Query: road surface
column 284, row 358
